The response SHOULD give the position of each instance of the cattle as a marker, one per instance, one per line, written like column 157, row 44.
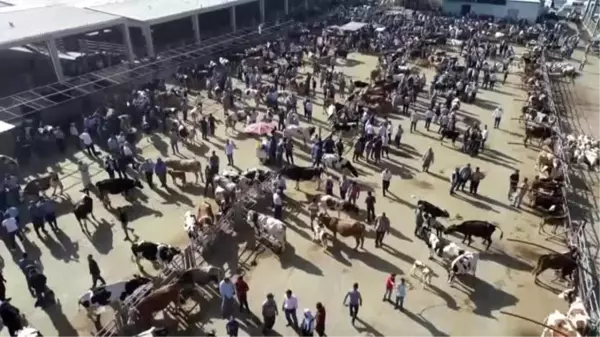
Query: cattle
column 268, row 226
column 565, row 263
column 355, row 229
column 116, row 186
column 568, row 295
column 177, row 175
column 256, row 174
column 466, row 263
column 336, row 162
column 440, row 246
column 110, row 294
column 552, row 220
column 301, row 173
column 143, row 312
column 435, row 225
column 186, row 165
column 425, row 272
column 158, row 253
column 320, row 234
column 539, row 132
column 329, row 202
column 302, row 132
column 432, row 210
column 344, row 126
column 477, row 228
column 578, row 315
column 204, row 275
column 450, row 134
column 42, row 184
column 556, row 324
column 193, row 225
column 82, row 209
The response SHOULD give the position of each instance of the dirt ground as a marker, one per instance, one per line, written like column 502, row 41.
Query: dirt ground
column 475, row 306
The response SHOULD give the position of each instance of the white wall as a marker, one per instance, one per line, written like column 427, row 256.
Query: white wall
column 526, row 10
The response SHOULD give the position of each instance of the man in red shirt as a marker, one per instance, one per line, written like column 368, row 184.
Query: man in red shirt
column 241, row 288
column 389, row 287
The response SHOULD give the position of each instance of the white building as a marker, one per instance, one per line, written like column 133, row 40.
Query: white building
column 515, row 9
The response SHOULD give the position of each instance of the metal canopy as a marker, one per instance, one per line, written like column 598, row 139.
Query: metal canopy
column 17, row 107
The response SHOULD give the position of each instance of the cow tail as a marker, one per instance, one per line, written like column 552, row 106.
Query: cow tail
column 501, row 231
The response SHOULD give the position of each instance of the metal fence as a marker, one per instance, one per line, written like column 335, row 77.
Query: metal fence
column 575, row 235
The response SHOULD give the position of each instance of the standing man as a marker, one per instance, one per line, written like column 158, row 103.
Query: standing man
column 400, row 294
column 290, row 306
column 49, row 213
column 241, row 288
column 522, row 190
column 12, row 229
column 88, row 143
column 269, row 313
column 386, row 179
column 174, row 139
column 160, row 169
column 278, row 204
column 454, row 180
column 95, row 271
column 428, row 118
column 390, row 282
column 227, row 291
column 353, row 300
column 382, row 227
column 497, row 115
column 465, row 175
column 484, row 136
column 512, row 183
column 414, row 118
column 308, row 108
column 476, row 178
column 370, row 202
column 148, row 168
column 229, row 146
column 418, row 220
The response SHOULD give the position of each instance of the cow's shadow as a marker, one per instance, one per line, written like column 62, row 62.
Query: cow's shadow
column 485, row 297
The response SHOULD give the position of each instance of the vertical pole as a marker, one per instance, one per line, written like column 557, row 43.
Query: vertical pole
column 286, row 7
column 127, row 41
column 233, row 19
column 147, row 32
column 261, row 4
column 53, row 51
column 196, row 26
column 306, row 6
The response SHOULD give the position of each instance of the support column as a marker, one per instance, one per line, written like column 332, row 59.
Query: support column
column 286, row 7
column 127, row 43
column 147, row 32
column 261, row 4
column 306, row 5
column 53, row 51
column 196, row 26
column 233, row 19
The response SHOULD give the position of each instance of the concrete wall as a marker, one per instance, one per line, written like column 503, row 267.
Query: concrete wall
column 524, row 10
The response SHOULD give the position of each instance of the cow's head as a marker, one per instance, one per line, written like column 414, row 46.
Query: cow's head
column 168, row 253
column 451, row 229
column 138, row 184
column 310, row 131
column 444, row 214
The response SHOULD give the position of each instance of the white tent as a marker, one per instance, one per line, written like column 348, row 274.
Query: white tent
column 353, row 26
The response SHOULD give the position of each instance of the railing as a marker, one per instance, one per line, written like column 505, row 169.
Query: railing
column 90, row 46
column 576, row 232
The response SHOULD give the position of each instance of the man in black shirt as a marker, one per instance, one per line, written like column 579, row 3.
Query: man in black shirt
column 370, row 202
column 513, row 182
column 95, row 271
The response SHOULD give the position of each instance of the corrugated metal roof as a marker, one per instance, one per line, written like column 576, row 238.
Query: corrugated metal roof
column 20, row 25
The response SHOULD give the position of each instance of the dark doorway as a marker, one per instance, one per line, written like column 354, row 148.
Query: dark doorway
column 215, row 23
column 274, row 9
column 465, row 9
column 247, row 15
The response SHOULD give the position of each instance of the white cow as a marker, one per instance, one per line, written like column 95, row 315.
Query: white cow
column 464, row 264
column 320, row 234
column 426, row 272
column 29, row 332
column 302, row 132
column 223, row 187
column 330, row 160
column 268, row 225
column 557, row 324
column 578, row 315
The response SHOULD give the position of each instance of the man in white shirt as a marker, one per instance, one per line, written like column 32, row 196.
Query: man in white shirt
column 278, row 204
column 414, row 118
column 12, row 228
column 386, row 179
column 497, row 114
column 88, row 143
column 428, row 118
column 290, row 306
column 484, row 136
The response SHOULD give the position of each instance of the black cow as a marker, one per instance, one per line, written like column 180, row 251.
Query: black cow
column 539, row 132
column 256, row 174
column 110, row 294
column 432, row 210
column 450, row 134
column 548, row 203
column 478, row 228
column 82, row 209
column 301, row 173
column 565, row 262
column 116, row 186
column 11, row 317
column 344, row 126
column 157, row 253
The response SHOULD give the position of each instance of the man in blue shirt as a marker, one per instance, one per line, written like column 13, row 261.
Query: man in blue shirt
column 36, row 213
column 49, row 213
column 227, row 291
column 353, row 300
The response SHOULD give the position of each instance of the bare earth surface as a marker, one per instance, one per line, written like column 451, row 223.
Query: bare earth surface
column 504, row 281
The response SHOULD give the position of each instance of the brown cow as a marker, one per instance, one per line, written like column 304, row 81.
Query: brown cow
column 565, row 262
column 355, row 229
column 186, row 165
column 158, row 300
column 42, row 184
column 554, row 220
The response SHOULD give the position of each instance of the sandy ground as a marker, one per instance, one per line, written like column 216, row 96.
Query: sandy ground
column 504, row 282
